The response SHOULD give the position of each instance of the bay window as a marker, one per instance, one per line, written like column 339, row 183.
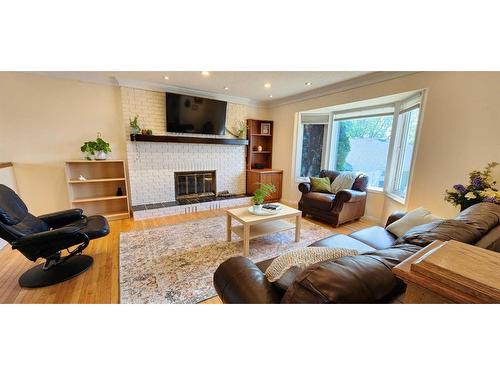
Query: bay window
column 378, row 140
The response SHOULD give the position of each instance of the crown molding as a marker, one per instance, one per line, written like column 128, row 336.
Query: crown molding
column 365, row 80
column 76, row 76
column 187, row 91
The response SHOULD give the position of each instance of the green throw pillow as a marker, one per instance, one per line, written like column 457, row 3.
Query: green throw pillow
column 321, row 184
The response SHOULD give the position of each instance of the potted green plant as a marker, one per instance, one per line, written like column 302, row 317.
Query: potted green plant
column 259, row 195
column 134, row 125
column 97, row 149
column 239, row 130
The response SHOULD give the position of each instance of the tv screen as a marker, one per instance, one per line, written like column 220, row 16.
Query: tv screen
column 190, row 114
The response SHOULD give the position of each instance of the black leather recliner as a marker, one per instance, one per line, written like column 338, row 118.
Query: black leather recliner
column 46, row 237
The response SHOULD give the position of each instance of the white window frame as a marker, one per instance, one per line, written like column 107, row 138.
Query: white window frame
column 396, row 160
column 299, row 143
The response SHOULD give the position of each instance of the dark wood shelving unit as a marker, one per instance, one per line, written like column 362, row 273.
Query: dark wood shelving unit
column 265, row 158
column 181, row 139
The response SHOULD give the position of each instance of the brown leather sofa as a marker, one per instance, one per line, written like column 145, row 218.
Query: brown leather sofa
column 346, row 205
column 365, row 278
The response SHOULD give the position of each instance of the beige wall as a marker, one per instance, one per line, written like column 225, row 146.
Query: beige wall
column 460, row 132
column 43, row 122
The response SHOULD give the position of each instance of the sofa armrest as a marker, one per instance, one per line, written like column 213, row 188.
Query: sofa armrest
column 62, row 218
column 239, row 280
column 396, row 215
column 348, row 195
column 305, row 187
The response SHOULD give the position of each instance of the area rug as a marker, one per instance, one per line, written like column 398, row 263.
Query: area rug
column 176, row 263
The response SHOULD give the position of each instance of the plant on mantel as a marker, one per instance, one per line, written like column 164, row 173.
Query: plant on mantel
column 134, row 125
column 136, row 129
column 239, row 130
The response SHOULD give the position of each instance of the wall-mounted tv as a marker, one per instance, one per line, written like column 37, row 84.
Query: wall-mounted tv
column 190, row 114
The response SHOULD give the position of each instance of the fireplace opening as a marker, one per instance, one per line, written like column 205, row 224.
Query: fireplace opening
column 194, row 185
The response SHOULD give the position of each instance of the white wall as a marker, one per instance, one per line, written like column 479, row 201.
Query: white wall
column 460, row 132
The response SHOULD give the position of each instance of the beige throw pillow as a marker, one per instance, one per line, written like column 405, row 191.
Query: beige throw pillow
column 304, row 257
column 412, row 219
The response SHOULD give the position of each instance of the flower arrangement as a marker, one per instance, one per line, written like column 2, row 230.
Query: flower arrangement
column 480, row 189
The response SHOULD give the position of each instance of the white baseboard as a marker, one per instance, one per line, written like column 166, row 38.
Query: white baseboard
column 374, row 219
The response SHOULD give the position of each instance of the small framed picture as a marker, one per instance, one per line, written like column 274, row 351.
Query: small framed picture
column 265, row 128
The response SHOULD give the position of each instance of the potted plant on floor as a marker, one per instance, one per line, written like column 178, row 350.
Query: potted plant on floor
column 260, row 195
column 98, row 149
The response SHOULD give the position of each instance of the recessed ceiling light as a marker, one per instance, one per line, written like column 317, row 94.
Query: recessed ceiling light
column 308, row 83
column 270, row 96
column 166, row 77
column 226, row 88
column 267, row 85
column 205, row 73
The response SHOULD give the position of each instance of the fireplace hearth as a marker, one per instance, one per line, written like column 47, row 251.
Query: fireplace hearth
column 194, row 185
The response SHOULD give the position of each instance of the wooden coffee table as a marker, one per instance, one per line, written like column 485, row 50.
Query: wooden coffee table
column 254, row 226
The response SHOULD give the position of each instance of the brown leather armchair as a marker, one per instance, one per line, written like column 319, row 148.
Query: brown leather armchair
column 346, row 205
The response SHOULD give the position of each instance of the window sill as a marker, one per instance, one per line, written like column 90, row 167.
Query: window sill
column 375, row 190
column 299, row 180
column 396, row 198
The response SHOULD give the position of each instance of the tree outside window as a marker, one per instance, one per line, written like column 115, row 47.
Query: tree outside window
column 312, row 149
column 363, row 145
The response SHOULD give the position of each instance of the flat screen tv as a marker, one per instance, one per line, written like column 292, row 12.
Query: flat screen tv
column 190, row 114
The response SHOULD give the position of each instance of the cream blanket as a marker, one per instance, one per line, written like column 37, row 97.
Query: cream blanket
column 344, row 180
column 303, row 258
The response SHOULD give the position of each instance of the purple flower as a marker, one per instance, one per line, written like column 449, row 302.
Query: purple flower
column 490, row 200
column 460, row 188
column 477, row 182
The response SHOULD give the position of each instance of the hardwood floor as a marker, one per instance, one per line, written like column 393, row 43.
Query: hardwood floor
column 100, row 283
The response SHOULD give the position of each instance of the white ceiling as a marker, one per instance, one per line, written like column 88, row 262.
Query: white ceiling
column 248, row 85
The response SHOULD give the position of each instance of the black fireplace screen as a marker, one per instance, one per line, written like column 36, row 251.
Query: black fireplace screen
column 194, row 184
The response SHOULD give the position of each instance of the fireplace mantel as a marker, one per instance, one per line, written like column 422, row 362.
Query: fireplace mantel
column 181, row 139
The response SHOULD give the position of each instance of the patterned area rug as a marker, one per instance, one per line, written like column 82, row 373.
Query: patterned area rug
column 176, row 263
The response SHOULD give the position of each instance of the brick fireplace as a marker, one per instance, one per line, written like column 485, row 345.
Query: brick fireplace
column 153, row 168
